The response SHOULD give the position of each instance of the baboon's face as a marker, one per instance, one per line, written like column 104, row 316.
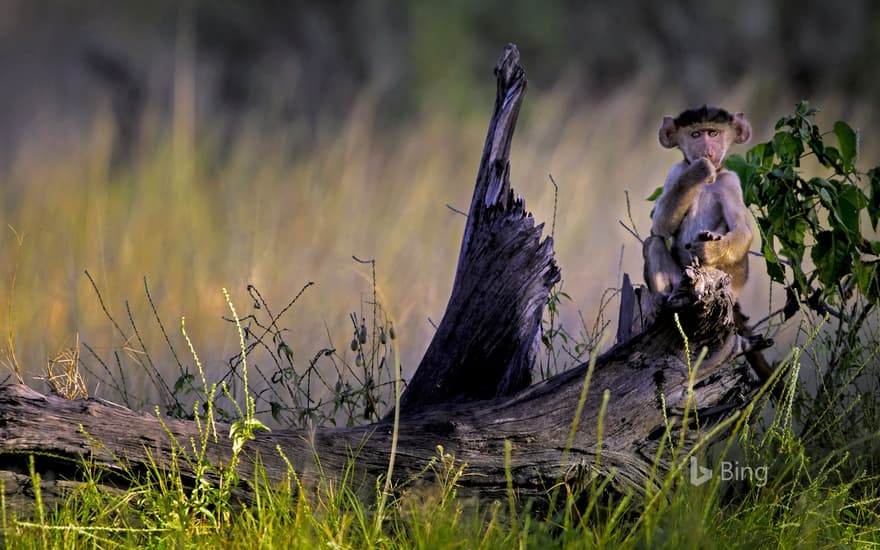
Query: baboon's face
column 705, row 139
column 709, row 141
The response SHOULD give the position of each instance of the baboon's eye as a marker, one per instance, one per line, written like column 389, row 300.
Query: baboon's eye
column 695, row 134
column 713, row 133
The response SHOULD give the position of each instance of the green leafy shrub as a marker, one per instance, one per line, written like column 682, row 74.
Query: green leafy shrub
column 822, row 214
column 816, row 242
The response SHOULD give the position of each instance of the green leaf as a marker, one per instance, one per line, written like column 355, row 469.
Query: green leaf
column 848, row 141
column 778, row 212
column 868, row 278
column 832, row 155
column 774, row 268
column 819, row 183
column 850, row 202
column 737, row 164
column 787, row 147
column 795, row 229
column 256, row 424
column 775, row 271
column 831, row 255
column 657, row 192
column 863, row 274
column 760, row 155
column 749, row 179
column 826, row 199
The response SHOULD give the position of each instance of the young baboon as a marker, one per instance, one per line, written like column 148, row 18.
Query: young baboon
column 700, row 216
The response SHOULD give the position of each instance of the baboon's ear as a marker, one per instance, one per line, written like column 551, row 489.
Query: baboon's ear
column 742, row 130
column 668, row 133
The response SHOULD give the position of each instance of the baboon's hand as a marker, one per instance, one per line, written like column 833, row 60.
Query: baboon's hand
column 701, row 171
column 709, row 248
column 708, row 236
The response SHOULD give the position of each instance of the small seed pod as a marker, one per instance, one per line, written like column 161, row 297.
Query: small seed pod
column 382, row 337
column 359, row 360
column 354, row 344
column 391, row 332
column 362, row 335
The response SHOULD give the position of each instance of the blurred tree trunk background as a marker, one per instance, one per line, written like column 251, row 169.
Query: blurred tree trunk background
column 314, row 58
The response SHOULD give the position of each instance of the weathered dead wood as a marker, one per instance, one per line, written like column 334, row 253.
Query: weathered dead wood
column 467, row 394
column 626, row 315
column 485, row 345
column 638, row 307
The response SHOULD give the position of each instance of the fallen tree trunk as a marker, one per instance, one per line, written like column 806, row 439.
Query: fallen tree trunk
column 469, row 392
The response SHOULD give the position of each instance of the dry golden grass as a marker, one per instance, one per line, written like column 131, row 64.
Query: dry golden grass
column 64, row 376
column 276, row 212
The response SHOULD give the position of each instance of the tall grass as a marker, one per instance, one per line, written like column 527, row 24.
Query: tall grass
column 279, row 207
